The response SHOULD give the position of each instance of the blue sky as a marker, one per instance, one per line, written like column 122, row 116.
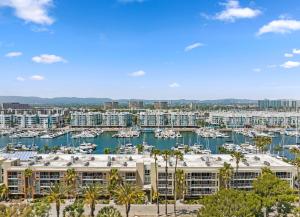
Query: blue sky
column 151, row 49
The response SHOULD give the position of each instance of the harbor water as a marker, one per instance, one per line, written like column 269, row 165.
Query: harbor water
column 105, row 140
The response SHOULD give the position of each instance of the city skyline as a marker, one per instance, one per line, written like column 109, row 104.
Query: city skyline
column 150, row 49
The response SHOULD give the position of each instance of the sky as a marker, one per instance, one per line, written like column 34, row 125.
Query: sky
column 150, row 49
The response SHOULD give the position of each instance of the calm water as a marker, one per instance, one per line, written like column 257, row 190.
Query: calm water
column 105, row 140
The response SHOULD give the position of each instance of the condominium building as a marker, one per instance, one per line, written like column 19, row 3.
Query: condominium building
column 160, row 105
column 133, row 104
column 26, row 121
column 14, row 106
column 244, row 118
column 6, row 120
column 278, row 104
column 167, row 119
column 111, row 105
column 97, row 119
column 201, row 172
column 51, row 121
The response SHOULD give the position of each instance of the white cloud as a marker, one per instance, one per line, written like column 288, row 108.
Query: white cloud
column 193, row 46
column 139, row 73
column 257, row 70
column 296, row 51
column 174, row 85
column 34, row 11
column 234, row 11
column 14, row 54
column 37, row 78
column 48, row 59
column 290, row 64
column 20, row 78
column 280, row 26
column 288, row 55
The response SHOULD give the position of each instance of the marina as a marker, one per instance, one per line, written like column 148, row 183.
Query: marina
column 194, row 142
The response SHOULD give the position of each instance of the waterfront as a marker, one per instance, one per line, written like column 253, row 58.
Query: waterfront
column 105, row 140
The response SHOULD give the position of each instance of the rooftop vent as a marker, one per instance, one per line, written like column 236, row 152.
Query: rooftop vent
column 202, row 158
column 184, row 164
column 219, row 159
column 130, row 158
column 125, row 164
column 69, row 163
column 92, row 158
column 113, row 158
column 246, row 163
column 267, row 163
column 76, row 158
column 207, row 163
column 109, row 164
column 56, row 158
column 47, row 163
column 31, row 163
column 256, row 158
column 86, row 164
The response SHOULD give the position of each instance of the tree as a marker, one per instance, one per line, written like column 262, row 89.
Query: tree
column 75, row 209
column 155, row 153
column 127, row 194
column 140, row 148
column 261, row 142
column 225, row 175
column 28, row 185
column 15, row 210
column 40, row 208
column 229, row 202
column 114, row 180
column 4, row 192
column 238, row 156
column 107, row 151
column 180, row 183
column 278, row 149
column 295, row 151
column 70, row 179
column 166, row 155
column 273, row 191
column 56, row 195
column 296, row 162
column 91, row 195
column 109, row 211
column 178, row 156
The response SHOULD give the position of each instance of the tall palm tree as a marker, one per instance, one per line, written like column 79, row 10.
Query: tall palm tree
column 238, row 156
column 70, row 179
column 166, row 155
column 225, row 174
column 155, row 153
column 296, row 162
column 178, row 156
column 114, row 180
column 91, row 194
column 57, row 195
column 127, row 194
column 180, row 183
column 4, row 192
column 278, row 149
column 295, row 151
column 28, row 177
column 261, row 142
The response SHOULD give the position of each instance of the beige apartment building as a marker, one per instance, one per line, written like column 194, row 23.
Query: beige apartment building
column 201, row 171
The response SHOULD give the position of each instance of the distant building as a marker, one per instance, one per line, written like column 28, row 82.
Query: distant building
column 14, row 105
column 278, row 104
column 111, row 105
column 161, row 105
column 135, row 104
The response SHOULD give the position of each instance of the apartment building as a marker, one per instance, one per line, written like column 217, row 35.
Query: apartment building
column 278, row 104
column 167, row 119
column 96, row 119
column 244, row 118
column 6, row 121
column 201, row 171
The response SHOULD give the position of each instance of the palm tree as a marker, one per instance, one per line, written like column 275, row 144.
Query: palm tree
column 225, row 174
column 166, row 155
column 261, row 142
column 4, row 192
column 296, row 162
column 107, row 151
column 140, row 148
column 278, row 149
column 178, row 156
column 295, row 151
column 114, row 180
column 28, row 175
column 91, row 194
column 155, row 153
column 109, row 211
column 238, row 156
column 70, row 179
column 56, row 195
column 180, row 183
column 127, row 194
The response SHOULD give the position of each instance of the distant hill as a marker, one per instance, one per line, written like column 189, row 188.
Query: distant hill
column 99, row 101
